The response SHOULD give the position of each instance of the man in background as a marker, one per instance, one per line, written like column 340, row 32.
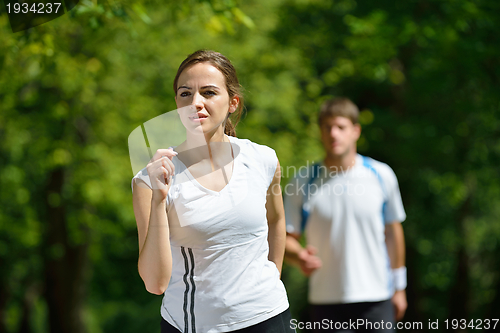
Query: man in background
column 350, row 208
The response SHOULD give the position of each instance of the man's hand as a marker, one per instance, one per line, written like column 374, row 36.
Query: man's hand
column 308, row 260
column 400, row 304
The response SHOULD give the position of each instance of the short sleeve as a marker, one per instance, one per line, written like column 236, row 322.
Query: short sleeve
column 293, row 201
column 142, row 175
column 271, row 165
column 394, row 210
column 266, row 158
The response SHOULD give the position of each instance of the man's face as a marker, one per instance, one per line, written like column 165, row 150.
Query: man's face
column 339, row 136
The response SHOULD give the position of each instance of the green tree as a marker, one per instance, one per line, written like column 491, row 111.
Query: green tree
column 71, row 91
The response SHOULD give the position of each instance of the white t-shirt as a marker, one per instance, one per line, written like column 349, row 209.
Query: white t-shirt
column 222, row 279
column 348, row 211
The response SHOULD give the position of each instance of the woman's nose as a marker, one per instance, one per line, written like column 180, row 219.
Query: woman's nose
column 198, row 101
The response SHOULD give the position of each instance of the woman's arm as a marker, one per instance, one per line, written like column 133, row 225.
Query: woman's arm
column 276, row 221
column 155, row 256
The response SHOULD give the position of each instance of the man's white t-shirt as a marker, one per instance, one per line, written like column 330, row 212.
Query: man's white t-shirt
column 348, row 210
column 222, row 279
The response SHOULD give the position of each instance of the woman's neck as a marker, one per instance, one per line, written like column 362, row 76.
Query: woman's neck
column 197, row 139
column 212, row 147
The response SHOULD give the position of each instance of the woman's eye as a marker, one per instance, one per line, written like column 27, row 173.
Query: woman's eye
column 184, row 93
column 209, row 93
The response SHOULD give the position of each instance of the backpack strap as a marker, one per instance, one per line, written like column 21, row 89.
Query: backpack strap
column 367, row 162
column 305, row 210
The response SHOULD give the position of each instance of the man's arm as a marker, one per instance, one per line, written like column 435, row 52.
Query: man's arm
column 305, row 258
column 395, row 241
column 295, row 254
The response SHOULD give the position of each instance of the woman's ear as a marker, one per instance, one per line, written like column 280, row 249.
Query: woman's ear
column 233, row 104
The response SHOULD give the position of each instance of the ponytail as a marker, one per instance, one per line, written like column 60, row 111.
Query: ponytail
column 229, row 128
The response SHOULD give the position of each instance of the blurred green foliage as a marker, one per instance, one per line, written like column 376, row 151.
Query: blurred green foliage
column 425, row 73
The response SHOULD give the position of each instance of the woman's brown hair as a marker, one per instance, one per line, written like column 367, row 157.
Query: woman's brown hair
column 233, row 86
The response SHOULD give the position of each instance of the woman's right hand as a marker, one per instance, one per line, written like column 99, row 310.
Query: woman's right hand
column 161, row 171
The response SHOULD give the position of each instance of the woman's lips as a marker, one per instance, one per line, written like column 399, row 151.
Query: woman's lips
column 198, row 116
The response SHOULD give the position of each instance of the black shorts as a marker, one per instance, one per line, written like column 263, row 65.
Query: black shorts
column 375, row 317
column 277, row 324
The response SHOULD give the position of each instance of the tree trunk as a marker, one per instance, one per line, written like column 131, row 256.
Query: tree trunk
column 4, row 295
column 25, row 326
column 65, row 266
column 460, row 296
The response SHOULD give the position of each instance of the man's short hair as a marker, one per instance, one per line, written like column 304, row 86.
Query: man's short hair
column 339, row 107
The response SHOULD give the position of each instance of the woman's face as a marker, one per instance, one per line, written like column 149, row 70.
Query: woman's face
column 203, row 87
